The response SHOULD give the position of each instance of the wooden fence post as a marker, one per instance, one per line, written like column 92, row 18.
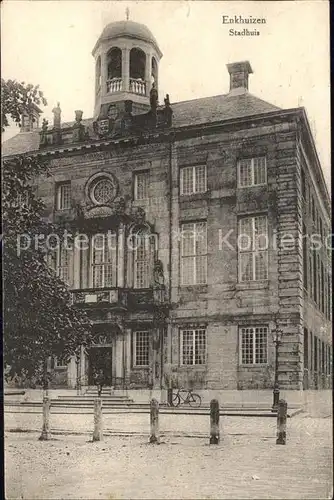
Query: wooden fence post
column 281, row 421
column 214, row 422
column 46, row 420
column 98, row 433
column 154, row 421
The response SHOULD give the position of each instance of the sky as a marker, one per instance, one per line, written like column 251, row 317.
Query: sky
column 50, row 43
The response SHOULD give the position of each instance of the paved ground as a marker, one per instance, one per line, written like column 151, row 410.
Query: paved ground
column 247, row 463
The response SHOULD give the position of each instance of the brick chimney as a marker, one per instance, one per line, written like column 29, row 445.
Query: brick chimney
column 239, row 72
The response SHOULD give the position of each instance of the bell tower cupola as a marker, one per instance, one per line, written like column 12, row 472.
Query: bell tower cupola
column 127, row 60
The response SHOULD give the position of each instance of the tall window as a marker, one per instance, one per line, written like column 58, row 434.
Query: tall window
column 141, row 185
column 193, row 347
column 305, row 348
column 64, row 265
column 253, row 345
column 329, row 296
column 253, row 248
column 104, row 260
column 143, row 259
column 252, row 172
column 63, row 196
column 315, row 277
column 141, row 348
column 305, row 254
column 193, row 179
column 322, row 290
column 315, row 364
column 193, row 253
column 313, row 208
column 303, row 183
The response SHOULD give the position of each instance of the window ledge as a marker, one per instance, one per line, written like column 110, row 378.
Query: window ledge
column 193, row 288
column 193, row 367
column 195, row 196
column 254, row 365
column 253, row 186
column 252, row 285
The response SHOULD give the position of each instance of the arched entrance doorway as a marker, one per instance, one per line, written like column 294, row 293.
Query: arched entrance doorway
column 100, row 360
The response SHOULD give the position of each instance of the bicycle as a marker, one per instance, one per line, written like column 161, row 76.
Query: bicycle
column 185, row 396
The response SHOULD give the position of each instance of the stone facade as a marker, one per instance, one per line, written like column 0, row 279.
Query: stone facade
column 222, row 305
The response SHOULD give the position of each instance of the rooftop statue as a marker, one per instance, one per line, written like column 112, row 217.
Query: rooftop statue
column 57, row 116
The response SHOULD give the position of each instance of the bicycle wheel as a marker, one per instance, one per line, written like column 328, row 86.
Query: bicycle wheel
column 176, row 400
column 195, row 400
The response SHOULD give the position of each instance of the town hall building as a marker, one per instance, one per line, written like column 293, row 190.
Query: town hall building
column 182, row 210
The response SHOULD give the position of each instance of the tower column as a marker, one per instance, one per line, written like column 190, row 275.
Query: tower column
column 126, row 69
column 104, row 73
column 148, row 73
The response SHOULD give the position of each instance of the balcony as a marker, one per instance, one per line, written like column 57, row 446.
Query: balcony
column 137, row 86
column 103, row 297
column 114, row 85
column 123, row 298
column 140, row 299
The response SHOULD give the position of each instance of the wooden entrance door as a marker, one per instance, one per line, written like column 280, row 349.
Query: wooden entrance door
column 100, row 362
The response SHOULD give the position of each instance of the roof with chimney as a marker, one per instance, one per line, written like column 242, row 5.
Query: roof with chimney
column 185, row 113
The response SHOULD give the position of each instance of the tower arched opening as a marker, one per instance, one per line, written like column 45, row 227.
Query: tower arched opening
column 137, row 71
column 114, row 70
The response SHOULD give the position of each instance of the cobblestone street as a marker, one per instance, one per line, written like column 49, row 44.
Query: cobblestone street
column 246, row 464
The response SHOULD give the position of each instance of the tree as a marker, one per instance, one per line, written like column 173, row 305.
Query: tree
column 18, row 99
column 39, row 320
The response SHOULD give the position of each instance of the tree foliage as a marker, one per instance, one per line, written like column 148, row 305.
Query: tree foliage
column 39, row 320
column 18, row 98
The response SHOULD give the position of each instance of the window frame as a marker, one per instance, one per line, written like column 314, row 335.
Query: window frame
column 57, row 366
column 59, row 186
column 251, row 159
column 134, row 348
column 194, row 256
column 181, row 344
column 59, row 266
column 193, row 168
column 114, row 264
column 254, row 328
column 149, row 252
column 253, row 250
column 135, row 184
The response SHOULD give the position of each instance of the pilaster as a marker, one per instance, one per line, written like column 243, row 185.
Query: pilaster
column 290, row 266
column 125, row 69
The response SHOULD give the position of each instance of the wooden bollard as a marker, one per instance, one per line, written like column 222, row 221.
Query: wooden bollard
column 97, row 434
column 46, row 420
column 214, row 422
column 154, row 421
column 281, row 421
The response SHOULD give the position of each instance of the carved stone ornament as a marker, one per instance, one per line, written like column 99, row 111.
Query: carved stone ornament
column 101, row 339
column 98, row 212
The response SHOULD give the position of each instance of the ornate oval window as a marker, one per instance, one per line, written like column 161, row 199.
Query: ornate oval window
column 103, row 191
column 102, row 188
